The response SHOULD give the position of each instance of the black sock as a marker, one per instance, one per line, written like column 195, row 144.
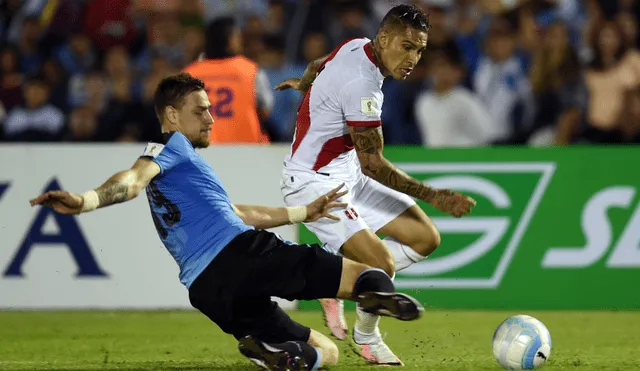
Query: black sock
column 373, row 280
column 300, row 349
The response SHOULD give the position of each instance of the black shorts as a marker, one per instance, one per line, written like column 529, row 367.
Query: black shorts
column 235, row 290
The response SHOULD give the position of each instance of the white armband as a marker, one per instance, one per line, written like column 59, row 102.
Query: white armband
column 297, row 214
column 91, row 201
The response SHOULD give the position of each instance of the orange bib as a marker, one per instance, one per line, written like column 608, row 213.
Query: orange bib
column 230, row 85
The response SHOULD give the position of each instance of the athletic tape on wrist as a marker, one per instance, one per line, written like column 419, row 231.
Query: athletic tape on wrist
column 297, row 214
column 91, row 201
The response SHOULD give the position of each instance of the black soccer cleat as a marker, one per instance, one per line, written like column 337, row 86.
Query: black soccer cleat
column 270, row 358
column 390, row 304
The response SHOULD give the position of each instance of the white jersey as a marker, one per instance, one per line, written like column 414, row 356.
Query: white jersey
column 346, row 92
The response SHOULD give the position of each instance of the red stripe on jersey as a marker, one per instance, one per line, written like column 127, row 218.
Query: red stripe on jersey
column 364, row 123
column 334, row 52
column 303, row 121
column 368, row 50
column 333, row 148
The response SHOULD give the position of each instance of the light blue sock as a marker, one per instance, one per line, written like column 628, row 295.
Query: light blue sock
column 318, row 359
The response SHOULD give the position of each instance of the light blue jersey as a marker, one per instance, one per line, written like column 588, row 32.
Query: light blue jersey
column 191, row 210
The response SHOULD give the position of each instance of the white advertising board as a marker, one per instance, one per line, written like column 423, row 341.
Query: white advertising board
column 110, row 258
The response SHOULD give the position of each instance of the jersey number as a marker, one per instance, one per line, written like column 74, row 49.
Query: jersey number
column 223, row 101
column 171, row 217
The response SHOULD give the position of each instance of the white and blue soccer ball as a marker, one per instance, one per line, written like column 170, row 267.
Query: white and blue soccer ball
column 521, row 343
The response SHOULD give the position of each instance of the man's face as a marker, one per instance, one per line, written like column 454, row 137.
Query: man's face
column 446, row 75
column 235, row 42
column 194, row 119
column 83, row 122
column 36, row 94
column 401, row 49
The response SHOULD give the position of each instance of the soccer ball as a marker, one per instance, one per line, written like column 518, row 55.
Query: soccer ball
column 521, row 343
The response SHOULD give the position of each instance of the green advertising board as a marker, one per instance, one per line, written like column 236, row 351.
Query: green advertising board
column 554, row 228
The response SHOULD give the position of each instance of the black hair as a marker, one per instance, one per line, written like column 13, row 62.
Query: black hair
column 37, row 78
column 597, row 61
column 172, row 90
column 217, row 37
column 406, row 16
column 452, row 55
column 274, row 42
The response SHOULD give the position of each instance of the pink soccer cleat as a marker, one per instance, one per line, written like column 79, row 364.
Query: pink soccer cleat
column 333, row 313
column 376, row 352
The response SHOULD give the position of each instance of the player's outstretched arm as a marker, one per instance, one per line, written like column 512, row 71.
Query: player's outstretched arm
column 265, row 217
column 303, row 83
column 121, row 187
column 369, row 142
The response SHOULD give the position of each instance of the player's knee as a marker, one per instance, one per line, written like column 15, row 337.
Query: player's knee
column 377, row 256
column 386, row 262
column 382, row 259
column 330, row 354
column 388, row 265
column 427, row 240
column 328, row 348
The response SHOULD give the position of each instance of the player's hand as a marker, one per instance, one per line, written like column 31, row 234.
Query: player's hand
column 61, row 201
column 452, row 203
column 293, row 83
column 320, row 207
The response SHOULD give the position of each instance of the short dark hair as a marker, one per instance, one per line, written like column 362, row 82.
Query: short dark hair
column 172, row 90
column 597, row 62
column 406, row 16
column 452, row 55
column 274, row 42
column 37, row 79
column 217, row 37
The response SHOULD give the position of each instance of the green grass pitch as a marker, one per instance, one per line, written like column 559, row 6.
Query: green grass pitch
column 186, row 340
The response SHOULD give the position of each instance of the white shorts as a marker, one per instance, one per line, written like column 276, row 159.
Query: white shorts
column 371, row 204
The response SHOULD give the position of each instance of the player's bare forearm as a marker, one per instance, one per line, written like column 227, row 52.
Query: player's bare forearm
column 127, row 184
column 310, row 74
column 262, row 217
column 382, row 170
column 368, row 143
column 121, row 187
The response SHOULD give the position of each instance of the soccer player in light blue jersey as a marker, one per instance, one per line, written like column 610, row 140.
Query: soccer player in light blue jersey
column 229, row 264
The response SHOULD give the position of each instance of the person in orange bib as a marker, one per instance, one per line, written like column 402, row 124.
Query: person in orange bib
column 239, row 92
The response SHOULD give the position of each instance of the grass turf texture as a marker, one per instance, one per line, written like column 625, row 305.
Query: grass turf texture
column 186, row 340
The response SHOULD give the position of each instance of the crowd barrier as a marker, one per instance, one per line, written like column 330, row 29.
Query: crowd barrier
column 554, row 228
column 112, row 257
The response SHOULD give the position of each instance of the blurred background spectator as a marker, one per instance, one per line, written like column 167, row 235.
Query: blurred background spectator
column 450, row 115
column 239, row 91
column 526, row 72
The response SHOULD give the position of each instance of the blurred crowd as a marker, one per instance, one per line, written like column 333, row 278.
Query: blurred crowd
column 535, row 72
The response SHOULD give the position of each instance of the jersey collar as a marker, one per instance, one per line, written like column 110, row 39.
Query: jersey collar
column 368, row 50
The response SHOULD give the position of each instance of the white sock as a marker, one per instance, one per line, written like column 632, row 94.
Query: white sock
column 403, row 254
column 366, row 329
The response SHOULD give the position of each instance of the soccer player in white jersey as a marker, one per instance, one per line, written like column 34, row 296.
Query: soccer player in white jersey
column 338, row 139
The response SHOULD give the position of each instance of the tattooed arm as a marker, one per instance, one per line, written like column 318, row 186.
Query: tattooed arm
column 121, row 187
column 304, row 83
column 127, row 184
column 310, row 74
column 368, row 143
